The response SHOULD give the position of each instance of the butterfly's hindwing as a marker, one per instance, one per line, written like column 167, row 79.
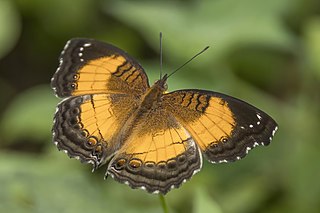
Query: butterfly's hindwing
column 70, row 135
column 158, row 155
column 85, row 125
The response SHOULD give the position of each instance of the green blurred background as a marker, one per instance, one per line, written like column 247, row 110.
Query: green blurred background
column 264, row 52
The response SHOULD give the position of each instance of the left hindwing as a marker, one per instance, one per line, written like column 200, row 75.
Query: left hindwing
column 85, row 125
column 225, row 128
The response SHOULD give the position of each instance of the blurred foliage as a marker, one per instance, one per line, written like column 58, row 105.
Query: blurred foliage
column 10, row 27
column 265, row 52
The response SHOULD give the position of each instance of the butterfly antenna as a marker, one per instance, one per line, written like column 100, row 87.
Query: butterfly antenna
column 160, row 55
column 199, row 53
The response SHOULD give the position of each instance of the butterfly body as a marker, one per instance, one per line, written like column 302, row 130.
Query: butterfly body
column 149, row 138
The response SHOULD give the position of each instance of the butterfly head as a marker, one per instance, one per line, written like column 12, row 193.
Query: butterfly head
column 161, row 84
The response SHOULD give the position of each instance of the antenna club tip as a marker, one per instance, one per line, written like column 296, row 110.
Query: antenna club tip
column 207, row 47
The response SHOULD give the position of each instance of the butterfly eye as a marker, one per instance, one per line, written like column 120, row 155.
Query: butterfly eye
column 166, row 87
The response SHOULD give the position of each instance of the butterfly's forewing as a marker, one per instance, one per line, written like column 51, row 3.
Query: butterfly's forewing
column 225, row 128
column 102, row 86
column 88, row 66
column 158, row 155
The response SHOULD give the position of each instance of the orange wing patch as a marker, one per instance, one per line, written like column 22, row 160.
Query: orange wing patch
column 98, row 118
column 95, row 76
column 214, row 125
column 158, row 147
column 208, row 119
column 112, row 74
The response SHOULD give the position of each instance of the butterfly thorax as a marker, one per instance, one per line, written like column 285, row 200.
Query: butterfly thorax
column 150, row 101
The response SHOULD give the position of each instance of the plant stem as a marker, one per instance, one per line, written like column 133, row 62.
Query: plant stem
column 163, row 203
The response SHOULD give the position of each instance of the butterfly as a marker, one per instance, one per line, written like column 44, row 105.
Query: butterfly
column 148, row 138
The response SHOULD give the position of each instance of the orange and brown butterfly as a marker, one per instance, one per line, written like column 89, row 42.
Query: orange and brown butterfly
column 148, row 138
